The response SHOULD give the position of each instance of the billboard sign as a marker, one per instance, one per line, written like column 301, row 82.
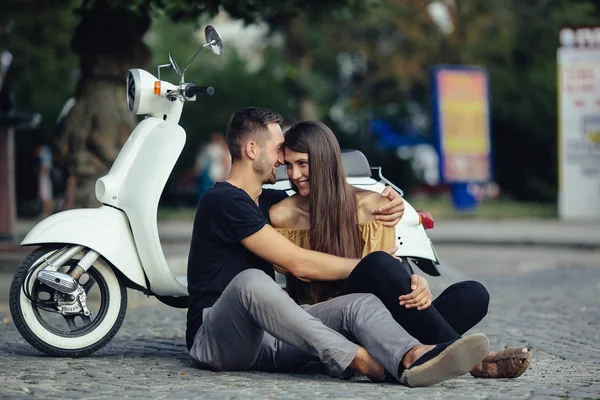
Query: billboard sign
column 461, row 115
column 579, row 122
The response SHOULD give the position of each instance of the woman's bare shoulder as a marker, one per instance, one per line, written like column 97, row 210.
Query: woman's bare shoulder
column 366, row 202
column 284, row 214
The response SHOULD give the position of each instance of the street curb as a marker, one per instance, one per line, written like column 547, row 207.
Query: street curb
column 515, row 243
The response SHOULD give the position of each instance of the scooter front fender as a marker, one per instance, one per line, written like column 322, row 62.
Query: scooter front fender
column 104, row 229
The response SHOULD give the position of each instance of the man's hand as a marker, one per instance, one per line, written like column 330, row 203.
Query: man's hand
column 420, row 297
column 391, row 213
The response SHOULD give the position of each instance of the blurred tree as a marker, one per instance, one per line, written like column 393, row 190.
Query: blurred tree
column 43, row 62
column 356, row 65
column 524, row 96
column 390, row 51
column 108, row 41
column 97, row 125
column 292, row 18
column 41, row 78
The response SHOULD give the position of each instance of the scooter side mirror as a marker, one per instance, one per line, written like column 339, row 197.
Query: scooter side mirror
column 213, row 39
column 174, row 64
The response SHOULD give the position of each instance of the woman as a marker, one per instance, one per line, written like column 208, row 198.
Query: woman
column 324, row 215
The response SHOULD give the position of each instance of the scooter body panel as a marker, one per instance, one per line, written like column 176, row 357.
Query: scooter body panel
column 108, row 187
column 411, row 238
column 140, row 174
column 104, row 229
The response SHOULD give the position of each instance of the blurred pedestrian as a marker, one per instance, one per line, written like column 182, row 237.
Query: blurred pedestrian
column 213, row 163
column 45, row 192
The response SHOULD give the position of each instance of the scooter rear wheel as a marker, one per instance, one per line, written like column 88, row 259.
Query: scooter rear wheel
column 36, row 315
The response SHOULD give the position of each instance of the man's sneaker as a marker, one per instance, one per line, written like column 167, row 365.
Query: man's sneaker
column 447, row 360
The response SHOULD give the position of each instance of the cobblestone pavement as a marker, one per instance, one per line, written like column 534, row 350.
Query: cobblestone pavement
column 545, row 300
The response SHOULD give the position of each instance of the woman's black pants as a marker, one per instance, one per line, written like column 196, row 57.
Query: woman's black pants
column 459, row 308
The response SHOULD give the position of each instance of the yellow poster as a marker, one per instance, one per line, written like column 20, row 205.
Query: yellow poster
column 463, row 112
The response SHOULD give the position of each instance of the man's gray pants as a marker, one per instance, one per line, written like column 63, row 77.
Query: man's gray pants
column 255, row 325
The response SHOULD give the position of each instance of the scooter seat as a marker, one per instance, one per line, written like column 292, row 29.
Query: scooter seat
column 355, row 164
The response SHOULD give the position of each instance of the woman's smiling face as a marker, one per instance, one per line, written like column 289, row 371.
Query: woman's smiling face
column 297, row 170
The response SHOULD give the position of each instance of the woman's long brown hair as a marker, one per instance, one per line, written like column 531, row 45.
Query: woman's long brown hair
column 332, row 203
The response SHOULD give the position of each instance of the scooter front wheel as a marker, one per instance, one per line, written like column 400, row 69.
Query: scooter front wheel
column 54, row 322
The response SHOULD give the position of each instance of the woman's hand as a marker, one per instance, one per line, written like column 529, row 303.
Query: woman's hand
column 391, row 213
column 420, row 297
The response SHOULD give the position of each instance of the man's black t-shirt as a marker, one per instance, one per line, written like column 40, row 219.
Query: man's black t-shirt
column 225, row 215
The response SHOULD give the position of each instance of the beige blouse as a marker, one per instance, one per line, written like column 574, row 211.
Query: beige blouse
column 374, row 236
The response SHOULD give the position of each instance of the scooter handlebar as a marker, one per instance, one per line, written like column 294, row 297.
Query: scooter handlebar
column 192, row 90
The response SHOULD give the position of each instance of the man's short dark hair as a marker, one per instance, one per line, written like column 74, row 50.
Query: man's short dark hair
column 246, row 123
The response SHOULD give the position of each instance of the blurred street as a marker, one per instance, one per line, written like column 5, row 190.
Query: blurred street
column 542, row 297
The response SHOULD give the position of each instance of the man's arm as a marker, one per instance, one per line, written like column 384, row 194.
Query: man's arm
column 268, row 244
column 391, row 213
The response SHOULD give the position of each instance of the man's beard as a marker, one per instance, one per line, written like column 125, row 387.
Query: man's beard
column 262, row 165
column 272, row 179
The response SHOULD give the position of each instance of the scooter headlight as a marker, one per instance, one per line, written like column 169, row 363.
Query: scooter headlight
column 141, row 92
column 132, row 93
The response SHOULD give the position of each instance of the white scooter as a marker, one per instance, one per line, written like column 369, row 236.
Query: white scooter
column 68, row 297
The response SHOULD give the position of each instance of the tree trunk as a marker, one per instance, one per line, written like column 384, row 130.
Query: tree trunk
column 108, row 43
column 297, row 57
column 8, row 209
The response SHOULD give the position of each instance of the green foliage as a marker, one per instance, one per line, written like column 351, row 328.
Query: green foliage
column 397, row 40
column 43, row 68
column 524, row 97
column 515, row 40
column 441, row 207
column 272, row 11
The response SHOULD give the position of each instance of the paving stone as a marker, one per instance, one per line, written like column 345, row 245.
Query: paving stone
column 555, row 312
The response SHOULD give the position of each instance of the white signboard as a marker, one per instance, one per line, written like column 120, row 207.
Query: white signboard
column 579, row 123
